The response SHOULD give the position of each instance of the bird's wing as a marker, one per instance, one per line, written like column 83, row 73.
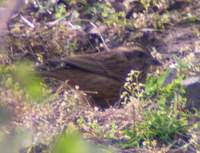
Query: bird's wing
column 85, row 63
column 94, row 64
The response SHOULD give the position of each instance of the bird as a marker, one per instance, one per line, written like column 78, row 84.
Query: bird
column 101, row 74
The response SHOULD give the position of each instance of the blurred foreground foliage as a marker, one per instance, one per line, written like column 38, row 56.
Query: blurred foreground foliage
column 70, row 142
column 21, row 76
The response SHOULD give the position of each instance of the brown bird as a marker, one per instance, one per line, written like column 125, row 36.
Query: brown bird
column 103, row 73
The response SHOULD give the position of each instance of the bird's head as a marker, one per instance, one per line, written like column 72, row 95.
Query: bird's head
column 140, row 59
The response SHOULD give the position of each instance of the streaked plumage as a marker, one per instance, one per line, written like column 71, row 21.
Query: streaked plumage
column 102, row 72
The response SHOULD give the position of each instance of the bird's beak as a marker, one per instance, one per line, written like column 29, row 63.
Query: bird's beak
column 156, row 62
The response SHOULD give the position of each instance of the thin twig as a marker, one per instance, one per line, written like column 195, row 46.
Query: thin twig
column 27, row 22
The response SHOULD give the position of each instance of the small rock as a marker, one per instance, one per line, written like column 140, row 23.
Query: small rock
column 192, row 85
